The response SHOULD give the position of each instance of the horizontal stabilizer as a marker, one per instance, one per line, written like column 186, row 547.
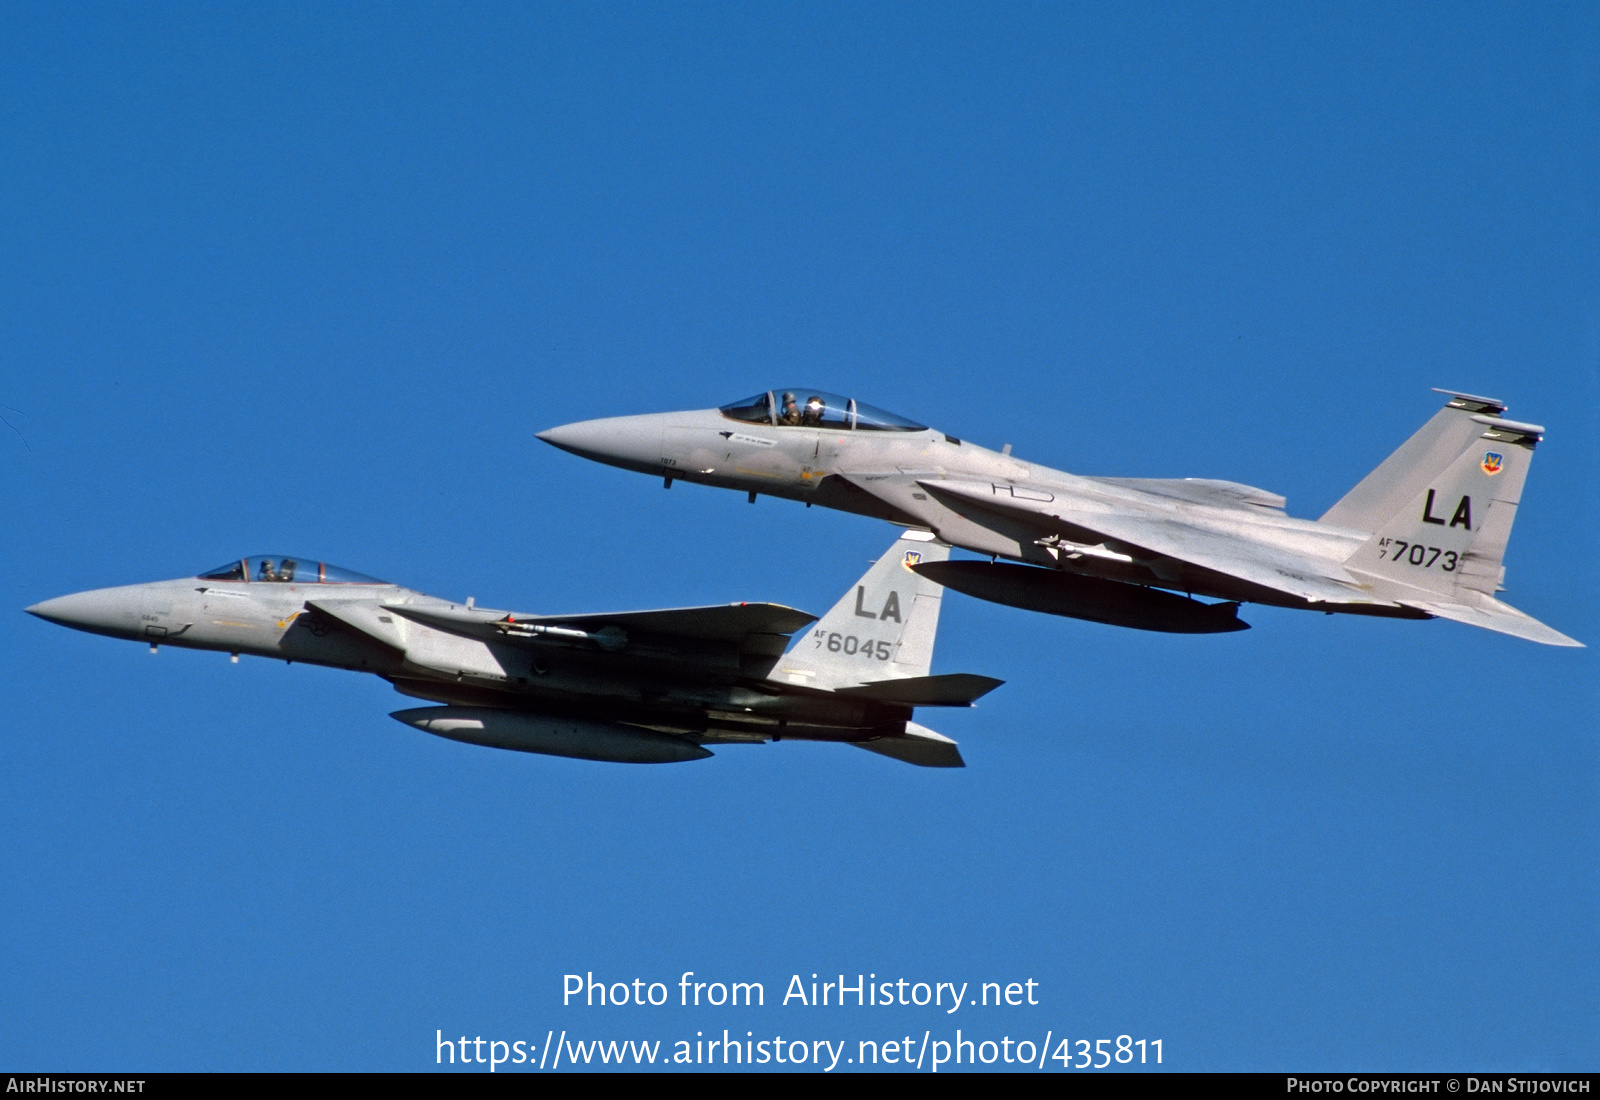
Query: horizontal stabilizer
column 954, row 689
column 919, row 745
column 1491, row 614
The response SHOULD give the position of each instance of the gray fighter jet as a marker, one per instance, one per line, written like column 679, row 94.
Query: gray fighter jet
column 1423, row 535
column 638, row 687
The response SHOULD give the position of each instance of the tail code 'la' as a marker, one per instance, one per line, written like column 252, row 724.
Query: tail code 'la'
column 1428, row 453
column 882, row 629
column 1452, row 532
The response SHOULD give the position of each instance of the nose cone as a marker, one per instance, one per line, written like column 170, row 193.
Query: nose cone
column 632, row 442
column 113, row 611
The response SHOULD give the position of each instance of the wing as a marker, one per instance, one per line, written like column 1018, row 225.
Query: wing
column 717, row 623
column 1201, row 490
column 1312, row 579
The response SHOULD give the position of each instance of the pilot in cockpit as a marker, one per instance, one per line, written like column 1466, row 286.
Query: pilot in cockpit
column 814, row 410
column 790, row 412
column 267, row 571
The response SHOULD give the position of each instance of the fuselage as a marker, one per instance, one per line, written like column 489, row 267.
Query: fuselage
column 709, row 690
column 890, row 468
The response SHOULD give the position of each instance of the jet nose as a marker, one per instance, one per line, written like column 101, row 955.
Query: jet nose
column 101, row 611
column 65, row 610
column 589, row 438
column 633, row 442
column 565, row 436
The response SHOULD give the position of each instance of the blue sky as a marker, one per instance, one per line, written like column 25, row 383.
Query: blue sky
column 308, row 278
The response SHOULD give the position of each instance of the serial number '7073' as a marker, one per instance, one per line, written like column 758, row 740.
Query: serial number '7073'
column 850, row 645
column 1414, row 553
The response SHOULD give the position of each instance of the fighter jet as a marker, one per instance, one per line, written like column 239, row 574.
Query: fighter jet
column 641, row 687
column 1422, row 536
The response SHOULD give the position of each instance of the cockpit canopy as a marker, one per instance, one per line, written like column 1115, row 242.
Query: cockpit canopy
column 806, row 408
column 285, row 569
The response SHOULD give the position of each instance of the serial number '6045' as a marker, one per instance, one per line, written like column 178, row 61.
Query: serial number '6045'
column 850, row 645
column 1414, row 553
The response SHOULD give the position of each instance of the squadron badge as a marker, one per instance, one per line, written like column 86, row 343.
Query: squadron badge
column 1492, row 462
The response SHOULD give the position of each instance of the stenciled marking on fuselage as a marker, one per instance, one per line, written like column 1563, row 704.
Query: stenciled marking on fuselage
column 891, row 606
column 753, row 440
column 851, row 646
column 1414, row 553
column 1462, row 517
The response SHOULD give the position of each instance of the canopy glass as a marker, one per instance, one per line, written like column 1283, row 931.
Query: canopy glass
column 285, row 569
column 800, row 407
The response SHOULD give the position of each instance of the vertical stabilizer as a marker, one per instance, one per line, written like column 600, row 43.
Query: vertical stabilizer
column 1451, row 534
column 1404, row 474
column 883, row 628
